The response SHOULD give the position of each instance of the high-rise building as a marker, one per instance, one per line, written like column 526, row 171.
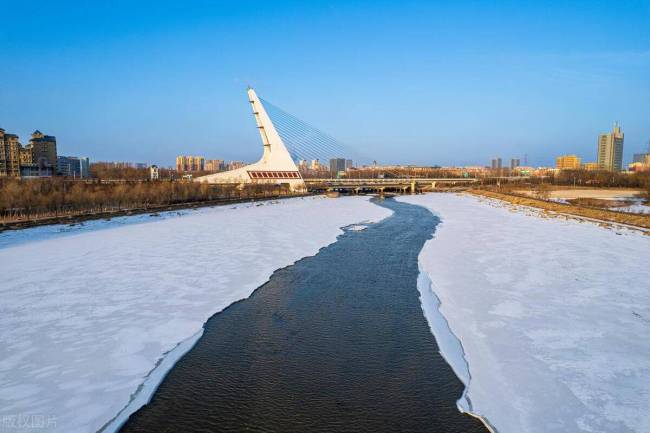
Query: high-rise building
column 10, row 153
column 315, row 165
column 641, row 157
column 348, row 164
column 190, row 163
column 181, row 163
column 73, row 166
column 337, row 165
column 43, row 148
column 234, row 165
column 38, row 158
column 214, row 165
column 514, row 163
column 496, row 164
column 567, row 162
column 610, row 149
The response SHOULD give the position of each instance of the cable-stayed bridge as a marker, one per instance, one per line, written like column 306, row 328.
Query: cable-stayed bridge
column 286, row 140
column 305, row 141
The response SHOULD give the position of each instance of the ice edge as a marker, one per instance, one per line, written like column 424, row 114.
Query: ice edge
column 449, row 345
column 152, row 381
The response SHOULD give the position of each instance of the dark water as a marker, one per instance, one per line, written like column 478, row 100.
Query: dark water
column 335, row 343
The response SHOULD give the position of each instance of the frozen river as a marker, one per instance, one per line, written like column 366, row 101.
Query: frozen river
column 543, row 320
column 334, row 343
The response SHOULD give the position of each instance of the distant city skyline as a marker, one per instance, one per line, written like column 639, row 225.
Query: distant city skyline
column 455, row 83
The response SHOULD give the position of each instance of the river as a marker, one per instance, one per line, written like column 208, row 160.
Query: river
column 336, row 342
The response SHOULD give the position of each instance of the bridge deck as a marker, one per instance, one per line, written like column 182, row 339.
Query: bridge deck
column 400, row 181
column 395, row 184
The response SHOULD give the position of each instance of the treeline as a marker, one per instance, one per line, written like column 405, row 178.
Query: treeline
column 603, row 178
column 580, row 178
column 108, row 170
column 112, row 171
column 397, row 172
column 24, row 199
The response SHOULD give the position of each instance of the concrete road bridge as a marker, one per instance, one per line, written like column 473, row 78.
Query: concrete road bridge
column 402, row 185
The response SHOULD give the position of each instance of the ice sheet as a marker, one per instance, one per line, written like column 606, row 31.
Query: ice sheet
column 85, row 316
column 553, row 316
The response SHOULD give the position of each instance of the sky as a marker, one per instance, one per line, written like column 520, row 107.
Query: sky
column 408, row 82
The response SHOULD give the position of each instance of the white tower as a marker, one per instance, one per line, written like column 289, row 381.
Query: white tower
column 276, row 165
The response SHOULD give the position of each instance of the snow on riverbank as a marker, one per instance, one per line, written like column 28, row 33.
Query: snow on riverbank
column 553, row 316
column 85, row 317
column 638, row 207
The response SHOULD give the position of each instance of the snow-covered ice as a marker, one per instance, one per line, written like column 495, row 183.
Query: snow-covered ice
column 39, row 233
column 552, row 316
column 634, row 208
column 87, row 314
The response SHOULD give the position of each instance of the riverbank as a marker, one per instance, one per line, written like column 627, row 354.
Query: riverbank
column 641, row 221
column 79, row 217
column 560, row 192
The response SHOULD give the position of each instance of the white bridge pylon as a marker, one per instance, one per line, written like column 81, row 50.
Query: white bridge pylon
column 276, row 165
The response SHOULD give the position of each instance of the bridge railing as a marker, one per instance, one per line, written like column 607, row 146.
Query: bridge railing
column 377, row 181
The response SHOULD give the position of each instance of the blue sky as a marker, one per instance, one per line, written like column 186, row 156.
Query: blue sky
column 403, row 82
